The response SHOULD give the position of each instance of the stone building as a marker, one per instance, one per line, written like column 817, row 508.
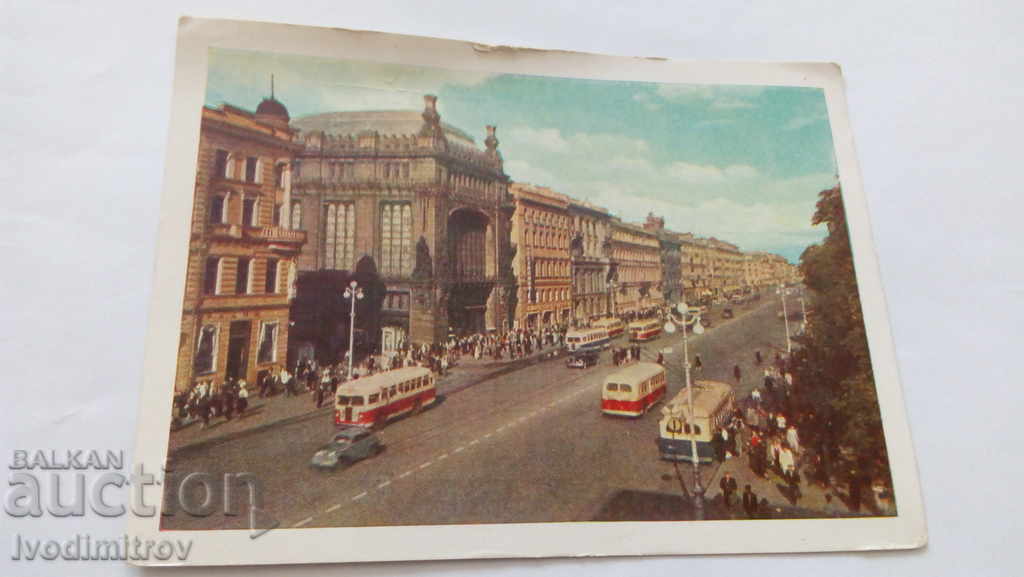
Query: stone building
column 242, row 252
column 416, row 202
column 590, row 251
column 671, row 256
column 694, row 268
column 726, row 267
column 541, row 233
column 636, row 269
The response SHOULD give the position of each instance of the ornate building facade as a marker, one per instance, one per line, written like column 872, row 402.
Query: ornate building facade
column 695, row 268
column 636, row 268
column 590, row 252
column 671, row 257
column 726, row 267
column 542, row 233
column 417, row 202
column 242, row 252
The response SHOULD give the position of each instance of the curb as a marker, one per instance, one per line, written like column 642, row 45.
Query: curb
column 246, row 432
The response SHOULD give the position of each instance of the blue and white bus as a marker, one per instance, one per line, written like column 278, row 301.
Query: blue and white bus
column 593, row 339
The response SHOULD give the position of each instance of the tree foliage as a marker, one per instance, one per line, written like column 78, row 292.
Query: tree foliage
column 834, row 363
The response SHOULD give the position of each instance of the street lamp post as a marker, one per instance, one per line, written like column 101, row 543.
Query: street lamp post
column 353, row 293
column 698, row 490
column 785, row 317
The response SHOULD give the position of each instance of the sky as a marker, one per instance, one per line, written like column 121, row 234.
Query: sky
column 741, row 163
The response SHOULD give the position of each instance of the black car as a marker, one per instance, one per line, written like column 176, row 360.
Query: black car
column 582, row 359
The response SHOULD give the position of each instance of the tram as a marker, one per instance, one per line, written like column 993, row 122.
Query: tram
column 644, row 330
column 613, row 325
column 592, row 339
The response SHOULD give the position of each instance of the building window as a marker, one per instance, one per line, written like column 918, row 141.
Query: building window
column 270, row 285
column 268, row 344
column 405, row 170
column 249, row 212
column 251, row 163
column 276, row 220
column 339, row 237
column 211, row 276
column 296, row 215
column 279, row 174
column 396, row 239
column 206, row 350
column 217, row 206
column 243, row 276
column 220, row 164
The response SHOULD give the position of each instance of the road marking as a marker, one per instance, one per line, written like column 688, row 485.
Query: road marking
column 425, row 465
column 501, row 428
column 459, row 449
column 334, row 508
column 359, row 496
column 488, row 435
column 551, row 404
column 405, row 474
column 442, row 456
column 384, row 484
column 474, row 442
column 303, row 522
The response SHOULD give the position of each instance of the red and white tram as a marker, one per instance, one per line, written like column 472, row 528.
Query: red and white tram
column 644, row 330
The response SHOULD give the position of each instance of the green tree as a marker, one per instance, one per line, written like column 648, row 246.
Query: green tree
column 833, row 366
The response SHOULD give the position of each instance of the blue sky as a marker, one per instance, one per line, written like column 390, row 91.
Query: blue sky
column 742, row 163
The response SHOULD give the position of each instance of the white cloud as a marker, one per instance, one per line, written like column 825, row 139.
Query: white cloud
column 709, row 173
column 714, row 97
column 647, row 101
column 547, row 139
column 798, row 122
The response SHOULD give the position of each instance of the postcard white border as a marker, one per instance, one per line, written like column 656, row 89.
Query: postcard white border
column 317, row 545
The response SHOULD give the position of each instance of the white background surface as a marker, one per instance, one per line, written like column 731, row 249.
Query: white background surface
column 934, row 91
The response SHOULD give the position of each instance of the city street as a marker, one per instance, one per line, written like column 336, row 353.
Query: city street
column 529, row 445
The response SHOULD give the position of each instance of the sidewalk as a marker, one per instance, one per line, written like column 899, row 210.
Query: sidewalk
column 281, row 410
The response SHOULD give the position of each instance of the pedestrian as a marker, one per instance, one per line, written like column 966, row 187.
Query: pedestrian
column 749, row 502
column 697, row 364
column 718, row 446
column 737, row 373
column 757, row 356
column 728, row 486
column 243, row 399
column 755, row 395
column 793, row 438
column 661, row 358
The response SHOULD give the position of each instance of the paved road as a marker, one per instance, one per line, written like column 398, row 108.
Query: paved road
column 526, row 446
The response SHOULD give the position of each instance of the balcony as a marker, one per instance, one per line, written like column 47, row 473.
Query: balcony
column 272, row 234
column 275, row 234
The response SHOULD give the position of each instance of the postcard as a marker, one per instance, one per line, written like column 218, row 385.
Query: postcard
column 427, row 299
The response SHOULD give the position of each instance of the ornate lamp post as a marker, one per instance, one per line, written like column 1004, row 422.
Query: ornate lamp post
column 698, row 489
column 352, row 293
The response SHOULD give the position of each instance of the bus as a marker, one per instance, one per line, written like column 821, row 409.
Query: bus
column 712, row 407
column 613, row 325
column 374, row 400
column 593, row 339
column 633, row 390
column 644, row 330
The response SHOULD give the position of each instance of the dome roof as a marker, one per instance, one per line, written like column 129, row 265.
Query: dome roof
column 272, row 107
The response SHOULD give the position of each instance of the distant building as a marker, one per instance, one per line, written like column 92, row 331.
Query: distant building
column 636, row 269
column 590, row 251
column 242, row 252
column 541, row 233
column 671, row 257
column 417, row 203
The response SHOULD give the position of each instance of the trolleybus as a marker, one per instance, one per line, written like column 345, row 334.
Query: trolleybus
column 613, row 325
column 712, row 406
column 633, row 390
column 593, row 339
column 644, row 330
column 374, row 400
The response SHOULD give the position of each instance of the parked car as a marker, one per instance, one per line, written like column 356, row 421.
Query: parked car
column 582, row 360
column 727, row 313
column 348, row 445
